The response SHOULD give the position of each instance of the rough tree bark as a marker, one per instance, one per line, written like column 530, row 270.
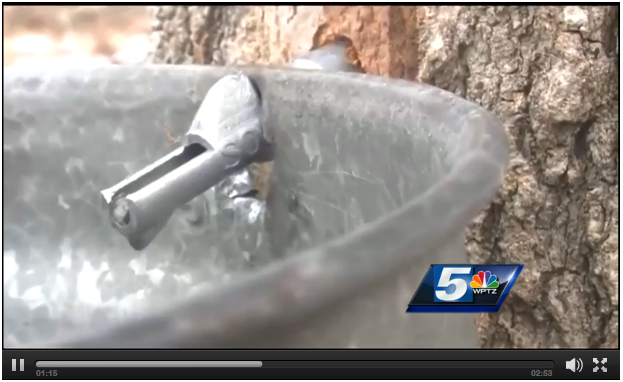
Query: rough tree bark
column 549, row 73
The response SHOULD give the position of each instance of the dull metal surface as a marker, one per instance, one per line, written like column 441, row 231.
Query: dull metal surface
column 374, row 179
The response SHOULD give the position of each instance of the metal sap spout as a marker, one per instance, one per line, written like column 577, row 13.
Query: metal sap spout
column 225, row 136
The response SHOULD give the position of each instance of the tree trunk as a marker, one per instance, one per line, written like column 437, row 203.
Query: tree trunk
column 549, row 73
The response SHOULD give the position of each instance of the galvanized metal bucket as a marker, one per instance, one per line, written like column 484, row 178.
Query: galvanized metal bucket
column 374, row 179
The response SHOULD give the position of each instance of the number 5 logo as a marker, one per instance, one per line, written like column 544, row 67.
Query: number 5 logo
column 451, row 284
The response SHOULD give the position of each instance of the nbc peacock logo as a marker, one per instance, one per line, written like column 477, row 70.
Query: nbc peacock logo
column 484, row 283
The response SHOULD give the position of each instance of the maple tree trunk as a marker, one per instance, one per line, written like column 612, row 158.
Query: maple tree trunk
column 550, row 73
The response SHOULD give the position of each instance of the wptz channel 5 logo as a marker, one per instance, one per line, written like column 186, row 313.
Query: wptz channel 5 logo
column 464, row 288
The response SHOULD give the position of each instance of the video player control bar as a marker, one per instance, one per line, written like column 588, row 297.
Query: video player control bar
column 451, row 364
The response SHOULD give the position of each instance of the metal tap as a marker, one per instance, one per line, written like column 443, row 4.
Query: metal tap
column 225, row 137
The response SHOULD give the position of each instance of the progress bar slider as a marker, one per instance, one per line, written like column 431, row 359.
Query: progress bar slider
column 100, row 364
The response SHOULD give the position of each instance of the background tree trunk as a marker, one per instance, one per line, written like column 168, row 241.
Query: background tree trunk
column 549, row 73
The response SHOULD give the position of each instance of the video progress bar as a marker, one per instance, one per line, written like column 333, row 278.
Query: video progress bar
column 149, row 364
column 429, row 364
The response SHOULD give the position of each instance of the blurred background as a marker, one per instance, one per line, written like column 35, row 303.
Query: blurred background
column 74, row 34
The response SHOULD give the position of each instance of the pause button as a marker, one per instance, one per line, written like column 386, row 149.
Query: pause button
column 14, row 365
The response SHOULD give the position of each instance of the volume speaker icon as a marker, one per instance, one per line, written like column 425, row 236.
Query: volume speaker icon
column 575, row 365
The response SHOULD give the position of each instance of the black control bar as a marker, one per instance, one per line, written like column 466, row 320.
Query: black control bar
column 311, row 364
